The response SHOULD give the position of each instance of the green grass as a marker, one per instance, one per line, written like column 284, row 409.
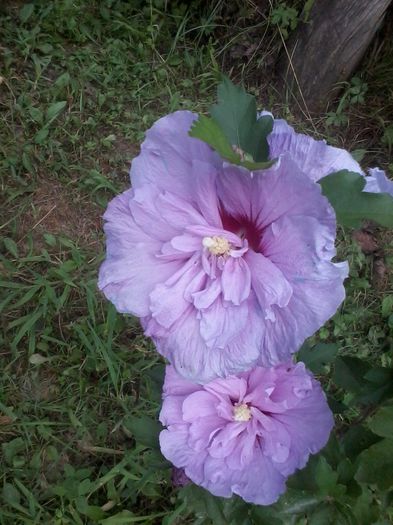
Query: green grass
column 80, row 386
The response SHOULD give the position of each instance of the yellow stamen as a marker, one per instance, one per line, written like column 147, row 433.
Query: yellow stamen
column 241, row 412
column 217, row 245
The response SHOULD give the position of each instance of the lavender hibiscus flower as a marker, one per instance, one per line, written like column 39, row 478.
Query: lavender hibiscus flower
column 227, row 268
column 244, row 435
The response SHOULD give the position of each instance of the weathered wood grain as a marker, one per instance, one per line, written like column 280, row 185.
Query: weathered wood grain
column 328, row 47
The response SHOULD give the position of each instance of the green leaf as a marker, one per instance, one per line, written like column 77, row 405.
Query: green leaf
column 26, row 12
column 91, row 511
column 206, row 129
column 371, row 385
column 381, row 422
column 36, row 114
column 387, row 306
column 323, row 515
column 358, row 154
column 265, row 516
column 209, row 131
column 63, row 80
column 376, row 465
column 11, row 246
column 351, row 204
column 204, row 503
column 357, row 439
column 366, row 508
column 297, row 502
column 45, row 48
column 144, row 429
column 12, row 448
column 349, row 373
column 54, row 110
column 325, row 477
column 236, row 114
column 38, row 359
column 318, row 356
column 41, row 135
column 11, row 494
column 258, row 144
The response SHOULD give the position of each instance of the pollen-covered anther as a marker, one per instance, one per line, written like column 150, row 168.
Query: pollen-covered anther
column 241, row 412
column 217, row 245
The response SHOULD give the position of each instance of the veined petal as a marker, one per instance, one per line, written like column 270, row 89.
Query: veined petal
column 236, row 280
column 268, row 282
column 313, row 157
column 166, row 156
column 205, row 298
column 205, row 195
column 168, row 301
column 219, row 324
column 199, row 404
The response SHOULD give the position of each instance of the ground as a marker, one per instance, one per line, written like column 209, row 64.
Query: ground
column 80, row 82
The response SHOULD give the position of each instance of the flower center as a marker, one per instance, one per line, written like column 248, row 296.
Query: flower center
column 241, row 412
column 217, row 245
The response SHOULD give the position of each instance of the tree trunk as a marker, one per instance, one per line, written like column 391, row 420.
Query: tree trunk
column 328, row 47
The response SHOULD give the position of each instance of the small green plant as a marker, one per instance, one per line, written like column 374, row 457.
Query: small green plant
column 285, row 17
column 354, row 93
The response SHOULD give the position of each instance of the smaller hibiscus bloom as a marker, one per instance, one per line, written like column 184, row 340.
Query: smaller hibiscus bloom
column 244, row 434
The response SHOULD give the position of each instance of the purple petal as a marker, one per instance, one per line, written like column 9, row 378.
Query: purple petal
column 168, row 301
column 167, row 154
column 313, row 157
column 236, row 280
column 377, row 182
column 175, row 384
column 268, row 282
column 219, row 324
column 199, row 404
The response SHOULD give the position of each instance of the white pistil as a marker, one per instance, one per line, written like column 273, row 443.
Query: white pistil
column 241, row 412
column 217, row 245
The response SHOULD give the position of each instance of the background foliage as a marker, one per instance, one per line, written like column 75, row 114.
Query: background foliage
column 80, row 82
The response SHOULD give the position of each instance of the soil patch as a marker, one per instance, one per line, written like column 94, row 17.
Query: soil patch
column 60, row 210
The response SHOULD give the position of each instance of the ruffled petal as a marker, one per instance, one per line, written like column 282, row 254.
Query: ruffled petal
column 377, row 182
column 176, row 385
column 167, row 153
column 173, row 444
column 199, row 404
column 268, row 282
column 257, row 489
column 236, row 280
column 312, row 413
column 188, row 353
column 220, row 323
column 264, row 196
column 313, row 157
column 128, row 281
column 204, row 192
column 168, row 301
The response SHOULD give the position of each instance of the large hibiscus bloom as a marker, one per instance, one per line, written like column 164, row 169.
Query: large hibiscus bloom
column 227, row 268
column 244, row 434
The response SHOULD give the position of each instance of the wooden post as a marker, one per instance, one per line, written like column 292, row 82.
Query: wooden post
column 328, row 47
